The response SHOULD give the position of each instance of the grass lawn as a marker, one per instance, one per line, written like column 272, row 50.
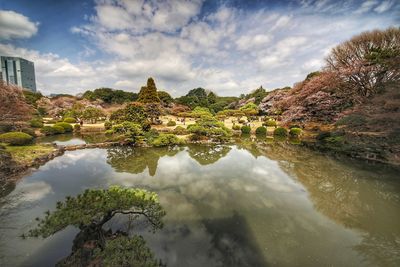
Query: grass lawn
column 27, row 154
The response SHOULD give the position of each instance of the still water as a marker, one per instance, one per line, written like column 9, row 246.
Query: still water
column 237, row 205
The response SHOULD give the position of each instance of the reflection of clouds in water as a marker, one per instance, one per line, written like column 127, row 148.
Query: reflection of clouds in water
column 91, row 157
column 34, row 191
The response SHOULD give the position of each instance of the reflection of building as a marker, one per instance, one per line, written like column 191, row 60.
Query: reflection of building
column 18, row 71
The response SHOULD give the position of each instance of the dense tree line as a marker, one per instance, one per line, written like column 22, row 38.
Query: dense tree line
column 110, row 96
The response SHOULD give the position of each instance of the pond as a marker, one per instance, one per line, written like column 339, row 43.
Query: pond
column 227, row 205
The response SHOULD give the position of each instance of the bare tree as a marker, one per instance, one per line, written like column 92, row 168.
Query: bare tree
column 368, row 60
column 13, row 107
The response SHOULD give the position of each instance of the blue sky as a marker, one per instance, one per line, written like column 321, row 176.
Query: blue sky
column 229, row 47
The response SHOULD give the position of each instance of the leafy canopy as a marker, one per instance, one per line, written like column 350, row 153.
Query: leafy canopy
column 98, row 206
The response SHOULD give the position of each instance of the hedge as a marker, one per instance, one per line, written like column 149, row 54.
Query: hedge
column 280, row 131
column 16, row 138
column 70, row 120
column 295, row 132
column 261, row 131
column 171, row 123
column 66, row 126
column 245, row 129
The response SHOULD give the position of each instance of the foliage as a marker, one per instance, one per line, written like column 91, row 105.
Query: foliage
column 236, row 127
column 95, row 207
column 257, row 94
column 352, row 120
column 110, row 96
column 77, row 128
column 194, row 98
column 126, row 251
column 245, row 129
column 67, row 127
column 166, row 140
column 57, row 129
column 92, row 114
column 280, row 131
column 48, row 130
column 148, row 94
column 200, row 111
column 165, row 98
column 153, row 111
column 179, row 130
column 29, row 131
column 171, row 123
column 312, row 75
column 295, row 132
column 36, row 123
column 13, row 106
column 70, row 120
column 368, row 60
column 261, row 130
column 250, row 109
column 32, row 97
column 129, row 129
column 133, row 112
column 270, row 123
column 209, row 127
column 108, row 125
column 16, row 138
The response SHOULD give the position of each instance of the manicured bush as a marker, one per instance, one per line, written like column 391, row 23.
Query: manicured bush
column 245, row 129
column 242, row 121
column 36, row 123
column 270, row 123
column 261, row 131
column 280, row 131
column 48, row 130
column 108, row 125
column 70, row 120
column 171, row 123
column 166, row 140
column 66, row 126
column 77, row 128
column 58, row 129
column 16, row 138
column 236, row 127
column 295, row 132
column 179, row 130
column 294, row 126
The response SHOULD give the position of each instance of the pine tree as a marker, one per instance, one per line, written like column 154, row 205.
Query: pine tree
column 148, row 94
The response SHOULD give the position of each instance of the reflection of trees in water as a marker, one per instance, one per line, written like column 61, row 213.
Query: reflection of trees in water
column 137, row 159
column 357, row 198
column 205, row 155
column 233, row 240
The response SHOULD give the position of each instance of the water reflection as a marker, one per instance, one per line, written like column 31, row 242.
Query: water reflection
column 242, row 205
column 137, row 159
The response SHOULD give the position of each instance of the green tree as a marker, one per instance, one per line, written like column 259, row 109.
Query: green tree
column 92, row 114
column 91, row 210
column 165, row 98
column 209, row 127
column 148, row 94
column 133, row 112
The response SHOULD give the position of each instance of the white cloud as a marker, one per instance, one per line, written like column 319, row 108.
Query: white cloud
column 366, row 6
column 227, row 50
column 14, row 25
column 384, row 6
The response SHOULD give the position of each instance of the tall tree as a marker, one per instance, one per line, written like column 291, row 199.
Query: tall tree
column 148, row 94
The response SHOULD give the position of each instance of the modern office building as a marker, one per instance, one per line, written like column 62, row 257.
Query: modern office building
column 18, row 71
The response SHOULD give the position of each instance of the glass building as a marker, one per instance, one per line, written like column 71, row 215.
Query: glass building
column 18, row 71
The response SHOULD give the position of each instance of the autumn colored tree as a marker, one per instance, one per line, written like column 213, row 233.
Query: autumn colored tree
column 368, row 61
column 13, row 106
column 148, row 94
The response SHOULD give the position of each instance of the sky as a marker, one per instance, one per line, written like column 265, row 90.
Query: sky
column 229, row 47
